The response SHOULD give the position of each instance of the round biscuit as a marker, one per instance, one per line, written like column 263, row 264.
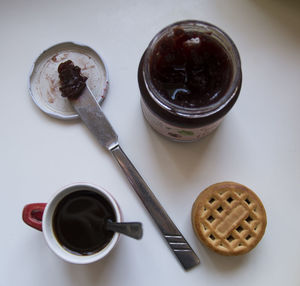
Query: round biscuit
column 229, row 218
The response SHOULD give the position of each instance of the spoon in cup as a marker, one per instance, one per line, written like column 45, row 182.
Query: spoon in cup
column 131, row 229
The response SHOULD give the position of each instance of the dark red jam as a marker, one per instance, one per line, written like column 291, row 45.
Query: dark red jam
column 72, row 82
column 190, row 69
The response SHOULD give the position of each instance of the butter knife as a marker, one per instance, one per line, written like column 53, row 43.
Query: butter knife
column 91, row 114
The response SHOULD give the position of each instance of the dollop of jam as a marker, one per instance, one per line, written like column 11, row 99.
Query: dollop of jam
column 72, row 82
column 190, row 69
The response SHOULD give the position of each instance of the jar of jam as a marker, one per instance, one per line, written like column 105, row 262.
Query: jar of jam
column 189, row 78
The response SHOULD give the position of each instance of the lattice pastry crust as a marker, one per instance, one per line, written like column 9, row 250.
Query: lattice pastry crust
column 229, row 218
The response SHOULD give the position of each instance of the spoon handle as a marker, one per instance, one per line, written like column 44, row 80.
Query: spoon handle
column 172, row 235
column 131, row 229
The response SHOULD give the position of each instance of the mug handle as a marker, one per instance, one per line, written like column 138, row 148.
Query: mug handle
column 33, row 214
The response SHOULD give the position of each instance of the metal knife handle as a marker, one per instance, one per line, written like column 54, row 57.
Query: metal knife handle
column 174, row 238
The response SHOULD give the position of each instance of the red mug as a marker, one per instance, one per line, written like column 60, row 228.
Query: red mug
column 40, row 217
column 33, row 215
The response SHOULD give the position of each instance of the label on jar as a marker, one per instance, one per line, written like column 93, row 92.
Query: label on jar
column 174, row 132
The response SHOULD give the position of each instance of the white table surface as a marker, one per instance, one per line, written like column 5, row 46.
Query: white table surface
column 257, row 145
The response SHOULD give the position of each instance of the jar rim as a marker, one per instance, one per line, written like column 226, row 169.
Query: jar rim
column 225, row 41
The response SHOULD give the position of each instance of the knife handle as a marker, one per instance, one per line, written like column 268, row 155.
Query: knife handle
column 170, row 232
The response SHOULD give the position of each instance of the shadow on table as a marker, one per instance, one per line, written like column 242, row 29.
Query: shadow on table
column 220, row 263
column 285, row 16
column 97, row 273
column 178, row 158
column 214, row 262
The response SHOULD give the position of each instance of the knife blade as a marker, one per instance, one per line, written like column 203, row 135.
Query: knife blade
column 92, row 115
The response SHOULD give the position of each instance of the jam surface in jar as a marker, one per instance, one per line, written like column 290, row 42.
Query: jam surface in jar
column 190, row 69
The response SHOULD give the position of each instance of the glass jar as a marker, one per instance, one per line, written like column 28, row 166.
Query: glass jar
column 189, row 78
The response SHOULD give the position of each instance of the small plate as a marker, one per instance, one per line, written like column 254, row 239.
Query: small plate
column 44, row 81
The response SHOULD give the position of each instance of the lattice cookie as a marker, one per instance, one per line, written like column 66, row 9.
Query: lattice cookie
column 229, row 218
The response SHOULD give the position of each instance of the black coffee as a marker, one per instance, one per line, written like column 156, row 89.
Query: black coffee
column 79, row 221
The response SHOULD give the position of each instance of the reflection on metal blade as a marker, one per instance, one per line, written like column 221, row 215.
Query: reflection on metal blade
column 92, row 115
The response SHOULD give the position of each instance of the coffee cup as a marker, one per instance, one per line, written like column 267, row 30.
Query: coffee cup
column 73, row 222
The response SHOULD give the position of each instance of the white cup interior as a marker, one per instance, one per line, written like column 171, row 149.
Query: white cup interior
column 48, row 228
